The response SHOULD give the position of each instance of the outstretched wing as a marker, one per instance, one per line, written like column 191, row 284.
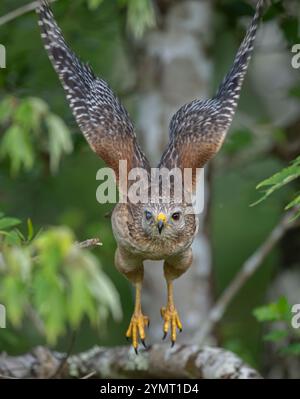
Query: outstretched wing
column 198, row 129
column 101, row 117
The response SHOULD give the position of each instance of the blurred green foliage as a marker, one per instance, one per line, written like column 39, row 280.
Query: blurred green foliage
column 140, row 14
column 23, row 138
column 286, row 338
column 275, row 311
column 281, row 179
column 47, row 277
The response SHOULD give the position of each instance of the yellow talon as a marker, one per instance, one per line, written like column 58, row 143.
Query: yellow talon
column 170, row 316
column 136, row 329
column 171, row 322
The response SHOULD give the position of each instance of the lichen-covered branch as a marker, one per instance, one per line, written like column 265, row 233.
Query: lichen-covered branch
column 159, row 361
column 91, row 243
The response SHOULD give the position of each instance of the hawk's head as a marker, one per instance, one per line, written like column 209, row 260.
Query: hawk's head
column 165, row 221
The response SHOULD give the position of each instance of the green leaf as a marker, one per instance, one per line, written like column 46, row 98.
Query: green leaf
column 105, row 292
column 53, row 247
column 39, row 105
column 265, row 313
column 17, row 146
column 8, row 222
column 140, row 16
column 30, row 229
column 18, row 261
column 80, row 300
column 39, row 110
column 12, row 237
column 101, row 289
column 50, row 302
column 276, row 335
column 280, row 179
column 7, row 107
column 60, row 141
column 293, row 203
column 284, row 308
column 55, row 318
column 14, row 295
column 23, row 115
column 280, row 310
column 20, row 234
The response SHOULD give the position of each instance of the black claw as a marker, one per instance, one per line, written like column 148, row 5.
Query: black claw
column 180, row 330
column 164, row 336
column 144, row 343
column 127, row 339
column 136, row 351
column 148, row 324
column 172, row 344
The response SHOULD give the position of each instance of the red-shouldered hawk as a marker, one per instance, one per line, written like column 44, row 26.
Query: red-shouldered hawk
column 158, row 229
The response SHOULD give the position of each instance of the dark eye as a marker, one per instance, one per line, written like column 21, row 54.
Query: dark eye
column 176, row 216
column 148, row 215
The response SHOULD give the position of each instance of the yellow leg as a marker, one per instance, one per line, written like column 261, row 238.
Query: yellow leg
column 170, row 315
column 138, row 321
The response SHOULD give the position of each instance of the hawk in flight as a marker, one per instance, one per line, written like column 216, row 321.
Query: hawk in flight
column 162, row 229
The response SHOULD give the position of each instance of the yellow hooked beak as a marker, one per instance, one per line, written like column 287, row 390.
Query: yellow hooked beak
column 161, row 221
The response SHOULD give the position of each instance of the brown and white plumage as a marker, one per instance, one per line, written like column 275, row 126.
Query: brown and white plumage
column 101, row 117
column 197, row 131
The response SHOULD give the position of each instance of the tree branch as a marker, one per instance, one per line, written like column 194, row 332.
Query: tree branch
column 247, row 270
column 91, row 243
column 159, row 361
column 20, row 11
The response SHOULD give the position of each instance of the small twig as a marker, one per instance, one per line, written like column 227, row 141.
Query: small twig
column 246, row 271
column 86, row 377
column 66, row 357
column 20, row 11
column 91, row 243
column 6, row 377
